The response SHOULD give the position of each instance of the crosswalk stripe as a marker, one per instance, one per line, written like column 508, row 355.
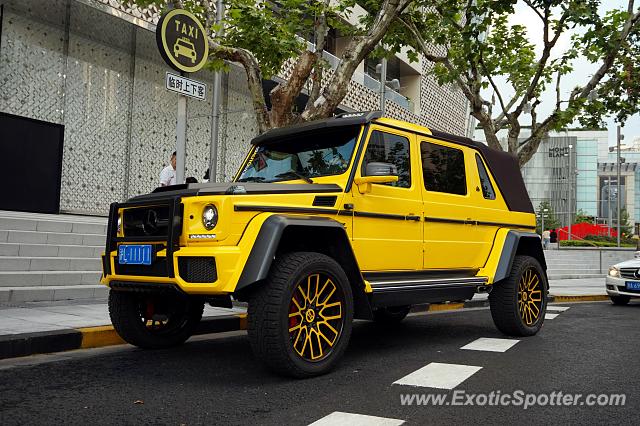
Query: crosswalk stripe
column 338, row 418
column 550, row 315
column 490, row 344
column 557, row 308
column 438, row 375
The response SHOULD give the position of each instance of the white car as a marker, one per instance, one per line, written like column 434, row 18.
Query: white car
column 623, row 281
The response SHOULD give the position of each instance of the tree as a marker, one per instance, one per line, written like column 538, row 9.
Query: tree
column 550, row 219
column 583, row 217
column 262, row 35
column 625, row 227
column 472, row 44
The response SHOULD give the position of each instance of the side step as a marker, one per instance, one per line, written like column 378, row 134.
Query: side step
column 427, row 290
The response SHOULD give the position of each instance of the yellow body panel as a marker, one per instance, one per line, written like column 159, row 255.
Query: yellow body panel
column 395, row 228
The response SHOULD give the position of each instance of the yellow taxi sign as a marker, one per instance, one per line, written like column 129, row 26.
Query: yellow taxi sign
column 182, row 40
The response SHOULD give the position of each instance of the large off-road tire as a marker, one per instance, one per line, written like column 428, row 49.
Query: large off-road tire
column 620, row 300
column 153, row 321
column 519, row 302
column 299, row 320
column 391, row 315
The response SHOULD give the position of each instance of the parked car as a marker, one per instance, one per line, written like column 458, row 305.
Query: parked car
column 355, row 216
column 623, row 281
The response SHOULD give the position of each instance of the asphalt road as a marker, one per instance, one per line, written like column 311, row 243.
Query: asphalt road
column 590, row 348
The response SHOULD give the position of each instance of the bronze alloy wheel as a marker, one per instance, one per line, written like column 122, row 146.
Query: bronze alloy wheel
column 530, row 296
column 316, row 317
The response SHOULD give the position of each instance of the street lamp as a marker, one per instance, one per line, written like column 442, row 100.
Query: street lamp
column 619, row 138
column 381, row 69
column 570, row 191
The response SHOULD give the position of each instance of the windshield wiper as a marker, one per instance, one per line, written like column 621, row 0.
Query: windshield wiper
column 252, row 179
column 296, row 174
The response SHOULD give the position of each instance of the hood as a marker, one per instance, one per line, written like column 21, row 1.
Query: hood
column 236, row 188
column 633, row 263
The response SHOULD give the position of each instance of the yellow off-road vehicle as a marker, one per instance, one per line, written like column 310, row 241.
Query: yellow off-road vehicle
column 356, row 216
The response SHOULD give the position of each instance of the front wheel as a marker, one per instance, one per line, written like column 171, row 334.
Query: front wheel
column 519, row 302
column 620, row 300
column 153, row 321
column 299, row 320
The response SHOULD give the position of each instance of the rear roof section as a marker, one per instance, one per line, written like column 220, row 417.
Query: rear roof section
column 503, row 165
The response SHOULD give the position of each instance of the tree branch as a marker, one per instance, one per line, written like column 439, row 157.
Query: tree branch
column 355, row 53
column 321, row 29
column 254, row 79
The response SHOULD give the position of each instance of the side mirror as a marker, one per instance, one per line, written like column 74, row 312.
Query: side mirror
column 381, row 169
column 376, row 173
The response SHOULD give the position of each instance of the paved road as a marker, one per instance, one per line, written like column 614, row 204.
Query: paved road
column 589, row 348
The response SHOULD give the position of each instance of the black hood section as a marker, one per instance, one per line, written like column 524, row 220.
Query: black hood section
column 236, row 188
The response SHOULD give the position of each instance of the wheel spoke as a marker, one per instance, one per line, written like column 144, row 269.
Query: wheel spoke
column 536, row 299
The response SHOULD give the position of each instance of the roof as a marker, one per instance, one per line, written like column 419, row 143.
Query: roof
column 503, row 165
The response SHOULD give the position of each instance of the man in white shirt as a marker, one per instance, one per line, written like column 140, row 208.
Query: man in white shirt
column 168, row 174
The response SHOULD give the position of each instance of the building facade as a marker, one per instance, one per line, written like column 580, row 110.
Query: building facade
column 92, row 68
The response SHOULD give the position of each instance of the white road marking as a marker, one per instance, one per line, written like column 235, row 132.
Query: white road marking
column 491, row 345
column 550, row 316
column 557, row 308
column 439, row 376
column 338, row 418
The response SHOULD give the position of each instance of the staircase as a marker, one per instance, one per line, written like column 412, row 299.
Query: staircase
column 583, row 263
column 50, row 257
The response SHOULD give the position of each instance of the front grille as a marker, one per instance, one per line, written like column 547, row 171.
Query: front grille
column 198, row 269
column 151, row 221
column 628, row 272
column 158, row 268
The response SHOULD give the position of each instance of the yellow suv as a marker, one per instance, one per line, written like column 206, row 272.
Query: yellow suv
column 356, row 216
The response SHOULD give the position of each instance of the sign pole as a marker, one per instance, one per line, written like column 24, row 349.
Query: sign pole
column 181, row 138
column 215, row 118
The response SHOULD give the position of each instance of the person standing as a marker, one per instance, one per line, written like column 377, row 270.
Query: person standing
column 168, row 174
column 554, row 236
column 546, row 237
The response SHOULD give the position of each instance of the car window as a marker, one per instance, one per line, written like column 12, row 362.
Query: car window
column 443, row 169
column 485, row 182
column 393, row 149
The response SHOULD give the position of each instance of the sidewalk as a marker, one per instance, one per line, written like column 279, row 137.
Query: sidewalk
column 41, row 327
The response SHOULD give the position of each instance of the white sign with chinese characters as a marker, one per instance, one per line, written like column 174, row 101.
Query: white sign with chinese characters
column 186, row 86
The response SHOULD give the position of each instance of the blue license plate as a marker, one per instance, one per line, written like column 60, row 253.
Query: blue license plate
column 633, row 285
column 138, row 254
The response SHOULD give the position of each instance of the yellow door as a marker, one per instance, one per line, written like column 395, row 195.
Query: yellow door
column 387, row 225
column 452, row 238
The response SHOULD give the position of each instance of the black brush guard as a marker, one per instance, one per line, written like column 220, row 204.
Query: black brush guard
column 172, row 238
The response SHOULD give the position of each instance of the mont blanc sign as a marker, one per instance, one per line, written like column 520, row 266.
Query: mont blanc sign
column 182, row 40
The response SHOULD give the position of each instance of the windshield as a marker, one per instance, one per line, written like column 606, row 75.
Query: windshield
column 302, row 156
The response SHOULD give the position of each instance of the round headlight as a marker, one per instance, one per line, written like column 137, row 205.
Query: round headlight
column 209, row 217
column 614, row 272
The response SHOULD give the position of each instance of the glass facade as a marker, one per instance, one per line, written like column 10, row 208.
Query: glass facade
column 587, row 176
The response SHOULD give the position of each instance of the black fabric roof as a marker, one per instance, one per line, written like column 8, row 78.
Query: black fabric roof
column 341, row 120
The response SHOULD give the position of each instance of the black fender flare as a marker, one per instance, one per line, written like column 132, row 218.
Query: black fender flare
column 519, row 242
column 336, row 244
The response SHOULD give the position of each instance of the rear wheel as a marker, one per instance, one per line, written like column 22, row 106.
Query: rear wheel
column 152, row 321
column 299, row 320
column 391, row 314
column 620, row 300
column 519, row 302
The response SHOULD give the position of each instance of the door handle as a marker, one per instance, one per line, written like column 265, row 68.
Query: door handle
column 412, row 217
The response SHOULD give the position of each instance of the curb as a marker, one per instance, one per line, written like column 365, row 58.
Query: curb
column 19, row 345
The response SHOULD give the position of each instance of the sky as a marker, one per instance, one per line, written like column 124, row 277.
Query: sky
column 582, row 70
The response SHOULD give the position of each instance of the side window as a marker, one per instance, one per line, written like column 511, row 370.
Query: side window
column 485, row 182
column 390, row 149
column 443, row 169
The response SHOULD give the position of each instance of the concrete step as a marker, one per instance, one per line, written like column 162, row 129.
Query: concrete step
column 576, row 276
column 51, row 238
column 48, row 278
column 50, row 250
column 53, row 225
column 10, row 295
column 17, row 263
